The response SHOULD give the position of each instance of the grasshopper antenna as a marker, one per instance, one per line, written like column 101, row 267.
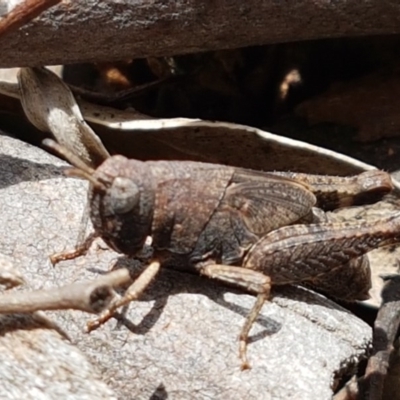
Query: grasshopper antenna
column 81, row 169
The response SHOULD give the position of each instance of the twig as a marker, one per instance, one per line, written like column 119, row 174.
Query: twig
column 385, row 330
column 92, row 296
column 349, row 391
column 23, row 13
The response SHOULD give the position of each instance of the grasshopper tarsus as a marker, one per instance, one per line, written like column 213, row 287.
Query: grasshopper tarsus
column 250, row 319
column 243, row 356
column 97, row 322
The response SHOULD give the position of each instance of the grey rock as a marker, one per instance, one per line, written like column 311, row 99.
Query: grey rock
column 37, row 363
column 183, row 336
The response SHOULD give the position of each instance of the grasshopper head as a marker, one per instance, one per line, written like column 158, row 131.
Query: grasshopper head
column 122, row 209
column 121, row 198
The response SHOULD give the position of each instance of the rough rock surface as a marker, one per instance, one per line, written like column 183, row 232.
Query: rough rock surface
column 183, row 338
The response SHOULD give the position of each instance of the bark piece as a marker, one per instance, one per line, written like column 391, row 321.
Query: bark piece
column 98, row 30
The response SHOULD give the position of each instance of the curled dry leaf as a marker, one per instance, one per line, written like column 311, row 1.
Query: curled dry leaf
column 142, row 137
column 51, row 107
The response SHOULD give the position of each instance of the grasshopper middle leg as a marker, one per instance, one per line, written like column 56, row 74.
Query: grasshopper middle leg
column 253, row 281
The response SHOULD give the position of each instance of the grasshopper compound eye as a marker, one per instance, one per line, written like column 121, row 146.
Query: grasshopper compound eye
column 124, row 194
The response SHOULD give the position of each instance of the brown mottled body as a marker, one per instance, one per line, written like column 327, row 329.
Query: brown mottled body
column 185, row 206
column 243, row 227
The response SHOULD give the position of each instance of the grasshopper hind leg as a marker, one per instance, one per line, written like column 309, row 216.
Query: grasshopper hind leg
column 250, row 280
column 348, row 282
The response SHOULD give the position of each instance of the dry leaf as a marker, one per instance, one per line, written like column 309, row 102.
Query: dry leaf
column 137, row 136
column 50, row 106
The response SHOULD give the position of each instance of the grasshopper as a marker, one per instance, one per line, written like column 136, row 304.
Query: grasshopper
column 246, row 228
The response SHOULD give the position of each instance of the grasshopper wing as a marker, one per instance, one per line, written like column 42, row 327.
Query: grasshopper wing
column 266, row 202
